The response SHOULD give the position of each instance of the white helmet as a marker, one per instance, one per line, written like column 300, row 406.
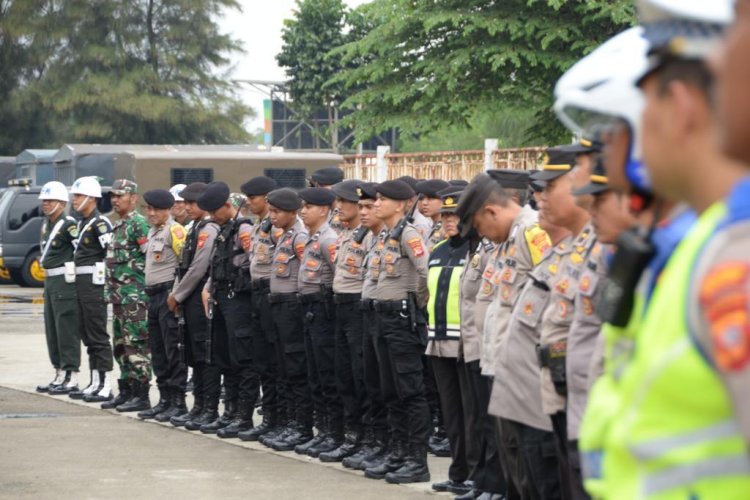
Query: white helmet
column 714, row 12
column 601, row 88
column 87, row 186
column 54, row 190
column 176, row 190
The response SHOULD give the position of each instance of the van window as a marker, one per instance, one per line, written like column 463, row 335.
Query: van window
column 287, row 177
column 190, row 175
column 24, row 208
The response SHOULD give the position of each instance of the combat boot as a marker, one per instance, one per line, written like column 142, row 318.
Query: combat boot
column 391, row 462
column 69, row 384
column 139, row 400
column 414, row 468
column 151, row 411
column 93, row 385
column 58, row 380
column 266, row 426
column 176, row 409
column 300, row 435
column 210, row 414
column 285, row 426
column 378, row 452
column 195, row 412
column 348, row 448
column 243, row 421
column 365, row 449
column 332, row 440
column 125, row 392
column 103, row 392
column 230, row 412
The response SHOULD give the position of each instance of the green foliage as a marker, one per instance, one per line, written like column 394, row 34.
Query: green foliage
column 431, row 64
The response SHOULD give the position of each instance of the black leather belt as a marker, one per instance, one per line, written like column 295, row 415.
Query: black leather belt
column 261, row 284
column 367, row 304
column 278, row 298
column 312, row 298
column 161, row 287
column 346, row 298
column 546, row 354
column 390, row 305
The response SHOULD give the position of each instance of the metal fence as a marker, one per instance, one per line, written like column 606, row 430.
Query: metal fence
column 438, row 165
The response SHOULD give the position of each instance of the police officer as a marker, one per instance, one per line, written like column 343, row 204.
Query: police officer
column 227, row 298
column 430, row 206
column 126, row 264
column 185, row 299
column 265, row 342
column 400, row 297
column 288, row 321
column 165, row 241
column 94, row 235
column 422, row 223
column 178, row 210
column 326, row 178
column 373, row 449
column 59, row 234
column 347, row 289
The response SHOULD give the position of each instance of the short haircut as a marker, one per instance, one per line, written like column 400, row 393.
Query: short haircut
column 693, row 72
column 500, row 196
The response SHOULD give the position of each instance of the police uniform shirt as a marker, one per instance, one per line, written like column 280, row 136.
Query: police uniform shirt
column 436, row 235
column 60, row 249
column 94, row 235
column 286, row 259
column 585, row 331
column 423, row 225
column 523, row 250
column 403, row 268
column 485, row 298
column 317, row 261
column 472, row 310
column 558, row 316
column 196, row 255
column 516, row 387
column 350, row 263
column 374, row 243
column 262, row 246
column 164, row 246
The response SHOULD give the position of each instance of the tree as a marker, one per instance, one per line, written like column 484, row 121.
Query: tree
column 431, row 64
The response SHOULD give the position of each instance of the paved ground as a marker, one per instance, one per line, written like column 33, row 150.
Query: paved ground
column 48, row 444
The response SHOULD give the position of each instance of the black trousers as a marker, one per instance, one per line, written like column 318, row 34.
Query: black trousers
column 431, row 394
column 92, row 319
column 196, row 328
column 264, row 338
column 576, row 474
column 319, row 323
column 376, row 415
column 529, row 460
column 488, row 475
column 233, row 345
column 399, row 351
column 287, row 317
column 163, row 341
column 560, row 431
column 453, row 388
column 348, row 362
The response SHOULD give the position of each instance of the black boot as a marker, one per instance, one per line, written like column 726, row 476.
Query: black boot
column 268, row 423
column 440, row 447
column 162, row 405
column 176, row 408
column 301, row 434
column 243, row 421
column 392, row 462
column 210, row 413
column 68, row 385
column 285, row 426
column 230, row 412
column 379, row 451
column 138, row 401
column 365, row 448
column 348, row 448
column 124, row 393
column 195, row 412
column 414, row 468
column 103, row 392
column 332, row 440
column 93, row 385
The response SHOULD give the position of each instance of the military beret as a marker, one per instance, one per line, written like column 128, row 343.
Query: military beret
column 159, row 198
column 431, row 187
column 395, row 190
column 123, row 186
column 193, row 191
column 472, row 199
column 411, row 181
column 458, row 182
column 557, row 163
column 367, row 191
column 318, row 196
column 510, row 179
column 599, row 183
column 347, row 190
column 258, row 186
column 327, row 176
column 284, row 199
column 214, row 196
column 450, row 197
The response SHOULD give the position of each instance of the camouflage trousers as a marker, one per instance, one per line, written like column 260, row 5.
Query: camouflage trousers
column 130, row 341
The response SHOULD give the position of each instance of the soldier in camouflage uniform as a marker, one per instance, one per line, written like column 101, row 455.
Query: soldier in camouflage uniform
column 126, row 263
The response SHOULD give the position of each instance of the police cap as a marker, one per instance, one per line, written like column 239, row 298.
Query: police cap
column 284, row 199
column 159, row 198
column 510, row 179
column 258, row 186
column 558, row 162
column 327, row 176
column 458, row 182
column 538, row 186
column 347, row 190
column 395, row 190
column 450, row 197
column 598, row 181
column 430, row 188
column 214, row 196
column 193, row 191
column 584, row 146
column 367, row 190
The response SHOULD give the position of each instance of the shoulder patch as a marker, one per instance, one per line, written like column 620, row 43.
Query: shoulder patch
column 538, row 243
column 102, row 227
column 202, row 237
column 416, row 246
column 177, row 232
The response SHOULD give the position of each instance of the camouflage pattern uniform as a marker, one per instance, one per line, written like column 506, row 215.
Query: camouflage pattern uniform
column 126, row 263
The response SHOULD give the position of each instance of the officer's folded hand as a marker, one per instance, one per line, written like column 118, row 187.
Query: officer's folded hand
column 205, row 296
column 172, row 304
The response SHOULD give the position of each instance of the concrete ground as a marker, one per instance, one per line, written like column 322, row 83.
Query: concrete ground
column 55, row 447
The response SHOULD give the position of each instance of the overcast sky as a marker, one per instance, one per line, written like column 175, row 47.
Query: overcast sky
column 259, row 28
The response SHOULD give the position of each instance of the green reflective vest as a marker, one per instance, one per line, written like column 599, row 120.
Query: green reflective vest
column 444, row 282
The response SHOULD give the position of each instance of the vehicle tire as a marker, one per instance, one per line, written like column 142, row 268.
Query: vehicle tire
column 32, row 273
